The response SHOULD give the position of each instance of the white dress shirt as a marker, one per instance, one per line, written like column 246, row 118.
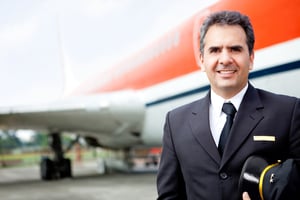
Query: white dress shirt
column 217, row 118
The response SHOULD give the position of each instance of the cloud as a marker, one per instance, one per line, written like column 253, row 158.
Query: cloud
column 11, row 36
column 94, row 8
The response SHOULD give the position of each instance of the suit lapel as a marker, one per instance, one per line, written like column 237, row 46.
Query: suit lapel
column 199, row 123
column 248, row 116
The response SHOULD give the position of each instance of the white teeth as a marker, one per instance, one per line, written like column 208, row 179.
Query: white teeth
column 226, row 72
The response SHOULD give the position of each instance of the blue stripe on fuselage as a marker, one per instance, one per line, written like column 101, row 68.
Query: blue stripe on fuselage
column 257, row 74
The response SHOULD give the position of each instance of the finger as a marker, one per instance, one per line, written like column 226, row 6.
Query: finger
column 246, row 196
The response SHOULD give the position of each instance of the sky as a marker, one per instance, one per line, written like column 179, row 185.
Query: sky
column 42, row 39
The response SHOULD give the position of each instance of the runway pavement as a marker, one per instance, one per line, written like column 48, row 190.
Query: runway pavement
column 24, row 183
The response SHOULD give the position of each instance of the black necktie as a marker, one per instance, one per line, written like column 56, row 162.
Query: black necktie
column 230, row 111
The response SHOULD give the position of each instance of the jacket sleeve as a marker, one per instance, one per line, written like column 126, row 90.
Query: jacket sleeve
column 294, row 150
column 170, row 182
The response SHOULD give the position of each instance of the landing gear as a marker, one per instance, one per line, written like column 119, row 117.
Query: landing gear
column 59, row 167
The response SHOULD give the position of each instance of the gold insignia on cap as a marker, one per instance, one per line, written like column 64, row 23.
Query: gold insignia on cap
column 272, row 177
column 269, row 138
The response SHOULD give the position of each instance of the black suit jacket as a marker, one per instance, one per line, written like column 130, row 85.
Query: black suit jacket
column 191, row 167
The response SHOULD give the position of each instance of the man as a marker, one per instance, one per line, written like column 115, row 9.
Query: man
column 196, row 162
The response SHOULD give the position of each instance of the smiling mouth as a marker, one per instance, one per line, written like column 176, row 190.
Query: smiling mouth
column 226, row 71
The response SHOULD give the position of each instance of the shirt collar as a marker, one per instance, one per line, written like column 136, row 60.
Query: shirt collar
column 218, row 101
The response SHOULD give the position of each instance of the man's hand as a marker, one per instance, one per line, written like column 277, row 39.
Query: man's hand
column 246, row 196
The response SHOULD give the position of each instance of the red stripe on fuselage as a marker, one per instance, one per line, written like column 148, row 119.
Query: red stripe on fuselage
column 175, row 54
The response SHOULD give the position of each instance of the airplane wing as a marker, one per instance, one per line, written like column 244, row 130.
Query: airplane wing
column 115, row 119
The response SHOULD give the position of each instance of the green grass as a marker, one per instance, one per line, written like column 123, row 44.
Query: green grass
column 24, row 159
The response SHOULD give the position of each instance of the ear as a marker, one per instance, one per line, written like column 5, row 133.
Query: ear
column 251, row 61
column 201, row 62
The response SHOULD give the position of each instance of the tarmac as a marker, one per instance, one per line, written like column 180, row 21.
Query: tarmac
column 87, row 183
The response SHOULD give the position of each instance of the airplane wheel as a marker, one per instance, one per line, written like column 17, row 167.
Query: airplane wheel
column 47, row 168
column 66, row 170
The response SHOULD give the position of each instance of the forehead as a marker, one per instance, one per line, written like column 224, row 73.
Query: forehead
column 225, row 35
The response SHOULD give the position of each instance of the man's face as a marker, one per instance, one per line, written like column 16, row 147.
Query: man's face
column 226, row 59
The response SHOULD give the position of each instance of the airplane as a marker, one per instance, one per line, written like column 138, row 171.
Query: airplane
column 124, row 107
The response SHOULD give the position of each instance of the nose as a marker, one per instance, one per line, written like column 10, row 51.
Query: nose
column 225, row 58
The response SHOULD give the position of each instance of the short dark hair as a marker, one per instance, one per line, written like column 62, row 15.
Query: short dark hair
column 228, row 18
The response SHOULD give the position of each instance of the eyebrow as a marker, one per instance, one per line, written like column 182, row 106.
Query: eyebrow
column 229, row 47
column 236, row 47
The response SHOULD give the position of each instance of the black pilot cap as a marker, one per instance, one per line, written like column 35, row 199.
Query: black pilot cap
column 264, row 181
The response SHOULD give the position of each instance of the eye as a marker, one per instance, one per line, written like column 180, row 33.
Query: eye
column 236, row 49
column 214, row 49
